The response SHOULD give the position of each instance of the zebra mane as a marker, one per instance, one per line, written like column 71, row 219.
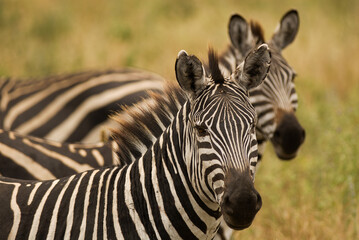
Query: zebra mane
column 213, row 66
column 257, row 32
column 138, row 126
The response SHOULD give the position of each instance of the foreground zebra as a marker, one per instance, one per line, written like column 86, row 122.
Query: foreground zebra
column 200, row 168
column 73, row 107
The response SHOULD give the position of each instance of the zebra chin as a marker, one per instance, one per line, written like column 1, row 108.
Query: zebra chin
column 241, row 201
column 283, row 155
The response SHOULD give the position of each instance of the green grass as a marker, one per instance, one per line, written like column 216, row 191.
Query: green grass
column 315, row 196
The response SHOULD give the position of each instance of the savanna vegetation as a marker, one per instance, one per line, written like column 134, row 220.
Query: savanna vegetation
column 314, row 196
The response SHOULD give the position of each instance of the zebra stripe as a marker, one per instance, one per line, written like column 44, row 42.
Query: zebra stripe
column 112, row 197
column 67, row 107
column 34, row 158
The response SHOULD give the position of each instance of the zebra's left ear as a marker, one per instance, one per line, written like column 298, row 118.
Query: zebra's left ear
column 254, row 68
column 286, row 30
column 190, row 74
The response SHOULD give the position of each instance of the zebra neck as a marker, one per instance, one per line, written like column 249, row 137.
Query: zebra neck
column 167, row 182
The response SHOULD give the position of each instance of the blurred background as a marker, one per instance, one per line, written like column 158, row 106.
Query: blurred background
column 314, row 196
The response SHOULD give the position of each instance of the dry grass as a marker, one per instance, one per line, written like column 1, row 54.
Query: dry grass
column 312, row 197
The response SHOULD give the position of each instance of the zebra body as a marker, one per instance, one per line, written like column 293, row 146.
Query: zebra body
column 178, row 189
column 74, row 107
column 33, row 158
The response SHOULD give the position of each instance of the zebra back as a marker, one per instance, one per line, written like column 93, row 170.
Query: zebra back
column 72, row 107
column 26, row 157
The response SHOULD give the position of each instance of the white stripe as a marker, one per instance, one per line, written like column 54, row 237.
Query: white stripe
column 86, row 204
column 61, row 132
column 63, row 159
column 115, row 218
column 100, row 132
column 177, row 204
column 140, row 229
column 98, row 157
column 145, row 196
column 35, row 169
column 55, row 212
column 70, row 214
column 16, row 210
column 5, row 94
column 61, row 100
column 166, row 222
column 94, row 235
column 33, row 191
column 31, row 101
column 36, row 221
column 105, row 208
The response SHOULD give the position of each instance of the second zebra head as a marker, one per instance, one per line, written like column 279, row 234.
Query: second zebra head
column 276, row 99
column 221, row 140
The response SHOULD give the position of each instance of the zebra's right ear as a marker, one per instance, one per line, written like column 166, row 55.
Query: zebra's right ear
column 255, row 67
column 190, row 74
column 239, row 33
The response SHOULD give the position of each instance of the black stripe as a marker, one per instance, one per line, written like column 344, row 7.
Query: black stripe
column 139, row 200
column 128, row 227
column 181, row 191
column 147, row 166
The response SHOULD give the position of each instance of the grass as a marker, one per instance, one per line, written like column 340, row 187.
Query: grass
column 315, row 196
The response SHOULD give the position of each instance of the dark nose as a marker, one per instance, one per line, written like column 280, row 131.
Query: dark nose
column 241, row 201
column 289, row 134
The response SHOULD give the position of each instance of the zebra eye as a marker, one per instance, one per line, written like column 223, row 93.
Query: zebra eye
column 201, row 130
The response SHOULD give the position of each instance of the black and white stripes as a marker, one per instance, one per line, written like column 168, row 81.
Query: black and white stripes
column 168, row 193
column 71, row 108
column 34, row 158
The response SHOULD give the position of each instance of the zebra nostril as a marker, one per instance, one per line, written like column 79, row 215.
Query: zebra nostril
column 259, row 202
column 277, row 134
column 303, row 135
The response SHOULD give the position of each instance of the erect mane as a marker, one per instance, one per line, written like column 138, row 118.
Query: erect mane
column 213, row 66
column 257, row 32
column 139, row 126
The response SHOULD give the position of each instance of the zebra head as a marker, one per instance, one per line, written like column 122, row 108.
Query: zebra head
column 221, row 153
column 276, row 99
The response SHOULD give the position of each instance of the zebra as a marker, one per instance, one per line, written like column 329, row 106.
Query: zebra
column 71, row 107
column 276, row 100
column 199, row 170
column 32, row 158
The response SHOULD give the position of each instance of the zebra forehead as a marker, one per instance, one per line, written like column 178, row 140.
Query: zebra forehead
column 224, row 106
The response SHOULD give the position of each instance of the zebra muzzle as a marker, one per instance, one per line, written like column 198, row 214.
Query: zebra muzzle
column 241, row 201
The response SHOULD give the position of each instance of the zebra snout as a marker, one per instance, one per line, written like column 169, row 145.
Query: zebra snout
column 241, row 201
column 288, row 137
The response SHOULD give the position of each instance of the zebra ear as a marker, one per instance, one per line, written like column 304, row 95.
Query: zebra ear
column 255, row 67
column 238, row 30
column 286, row 30
column 190, row 74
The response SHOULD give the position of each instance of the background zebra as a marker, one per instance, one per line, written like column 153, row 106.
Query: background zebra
column 201, row 167
column 276, row 99
column 26, row 157
column 73, row 107
column 141, row 129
